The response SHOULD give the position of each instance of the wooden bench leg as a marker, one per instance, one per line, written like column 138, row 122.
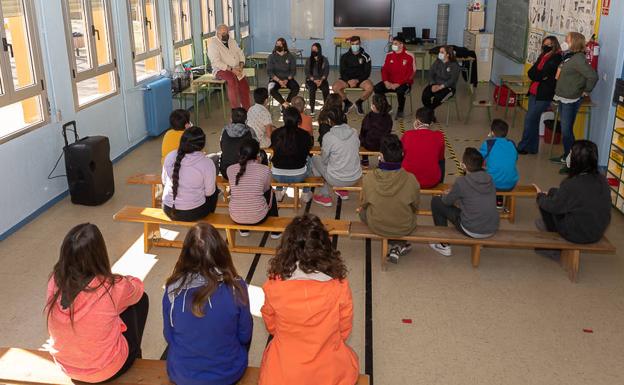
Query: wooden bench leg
column 296, row 197
column 150, row 231
column 384, row 253
column 154, row 192
column 512, row 208
column 230, row 235
column 476, row 255
column 570, row 260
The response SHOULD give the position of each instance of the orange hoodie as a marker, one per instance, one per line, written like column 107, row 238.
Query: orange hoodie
column 310, row 321
column 93, row 348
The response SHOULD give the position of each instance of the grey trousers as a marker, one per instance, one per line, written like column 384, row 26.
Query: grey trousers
column 320, row 169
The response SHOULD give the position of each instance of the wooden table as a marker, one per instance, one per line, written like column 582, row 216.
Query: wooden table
column 521, row 91
column 421, row 51
column 209, row 82
column 511, row 80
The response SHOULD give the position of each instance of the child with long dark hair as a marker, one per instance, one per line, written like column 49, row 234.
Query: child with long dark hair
column 251, row 196
column 375, row 125
column 95, row 318
column 333, row 101
column 189, row 178
column 291, row 146
column 308, row 305
column 316, row 71
column 232, row 136
column 206, row 297
column 580, row 209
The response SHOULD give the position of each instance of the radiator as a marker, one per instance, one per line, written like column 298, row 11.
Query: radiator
column 158, row 104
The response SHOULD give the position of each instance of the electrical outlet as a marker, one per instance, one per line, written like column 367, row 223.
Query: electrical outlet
column 604, row 76
column 59, row 116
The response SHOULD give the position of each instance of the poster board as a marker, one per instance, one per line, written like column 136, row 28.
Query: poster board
column 558, row 17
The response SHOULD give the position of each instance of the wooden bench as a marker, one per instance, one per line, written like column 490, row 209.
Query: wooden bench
column 30, row 367
column 309, row 182
column 506, row 239
column 508, row 212
column 154, row 181
column 316, row 150
column 152, row 218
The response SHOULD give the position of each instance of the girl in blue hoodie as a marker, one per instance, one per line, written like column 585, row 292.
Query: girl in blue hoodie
column 207, row 322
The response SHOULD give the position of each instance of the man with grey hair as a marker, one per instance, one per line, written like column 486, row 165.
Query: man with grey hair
column 227, row 61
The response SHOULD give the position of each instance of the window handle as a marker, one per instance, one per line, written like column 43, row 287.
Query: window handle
column 7, row 47
column 95, row 32
column 184, row 16
column 148, row 23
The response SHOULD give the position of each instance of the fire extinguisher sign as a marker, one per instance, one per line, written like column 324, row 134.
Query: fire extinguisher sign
column 606, row 4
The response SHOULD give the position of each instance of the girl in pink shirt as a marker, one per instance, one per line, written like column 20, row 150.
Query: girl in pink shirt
column 95, row 318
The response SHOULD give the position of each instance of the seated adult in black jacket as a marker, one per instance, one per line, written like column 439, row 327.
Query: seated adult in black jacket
column 541, row 92
column 355, row 70
column 580, row 209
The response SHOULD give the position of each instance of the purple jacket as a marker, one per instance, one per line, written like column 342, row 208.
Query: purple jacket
column 197, row 180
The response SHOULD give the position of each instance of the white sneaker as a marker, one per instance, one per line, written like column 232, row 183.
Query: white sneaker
column 243, row 233
column 276, row 235
column 442, row 248
column 279, row 195
column 306, row 196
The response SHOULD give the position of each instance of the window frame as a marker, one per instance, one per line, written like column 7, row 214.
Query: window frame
column 9, row 94
column 243, row 18
column 178, row 45
column 148, row 54
column 211, row 31
column 97, row 69
column 225, row 11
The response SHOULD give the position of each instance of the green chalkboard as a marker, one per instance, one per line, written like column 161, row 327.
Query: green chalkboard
column 511, row 28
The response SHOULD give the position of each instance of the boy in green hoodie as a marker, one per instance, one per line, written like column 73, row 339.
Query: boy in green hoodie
column 390, row 197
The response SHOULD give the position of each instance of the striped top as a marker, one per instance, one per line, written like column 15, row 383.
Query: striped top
column 247, row 203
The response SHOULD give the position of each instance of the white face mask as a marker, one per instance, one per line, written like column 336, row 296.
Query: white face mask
column 441, row 56
column 395, row 47
column 569, row 160
column 565, row 46
column 355, row 48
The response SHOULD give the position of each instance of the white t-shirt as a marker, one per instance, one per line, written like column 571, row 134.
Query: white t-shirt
column 258, row 117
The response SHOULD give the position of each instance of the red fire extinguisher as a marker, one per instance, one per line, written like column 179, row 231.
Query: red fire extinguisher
column 592, row 51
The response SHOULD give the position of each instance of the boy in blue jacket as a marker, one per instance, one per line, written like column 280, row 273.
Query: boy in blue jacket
column 500, row 156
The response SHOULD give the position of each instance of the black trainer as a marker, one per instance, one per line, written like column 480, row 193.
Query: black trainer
column 359, row 107
column 347, row 106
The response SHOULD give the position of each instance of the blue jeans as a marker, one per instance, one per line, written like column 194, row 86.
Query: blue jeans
column 567, row 113
column 530, row 136
column 293, row 179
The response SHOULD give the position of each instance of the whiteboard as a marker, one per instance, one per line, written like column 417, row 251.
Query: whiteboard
column 307, row 19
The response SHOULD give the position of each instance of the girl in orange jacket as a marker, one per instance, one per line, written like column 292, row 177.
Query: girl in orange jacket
column 309, row 311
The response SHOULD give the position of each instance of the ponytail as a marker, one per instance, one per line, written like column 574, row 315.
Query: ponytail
column 193, row 139
column 249, row 150
column 176, row 175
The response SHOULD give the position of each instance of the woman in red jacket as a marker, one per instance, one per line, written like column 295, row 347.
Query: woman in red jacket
column 397, row 73
column 424, row 150
column 95, row 318
column 309, row 311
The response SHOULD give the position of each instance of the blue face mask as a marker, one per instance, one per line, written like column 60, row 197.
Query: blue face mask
column 355, row 48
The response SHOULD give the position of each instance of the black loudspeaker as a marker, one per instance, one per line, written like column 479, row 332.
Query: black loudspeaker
column 89, row 168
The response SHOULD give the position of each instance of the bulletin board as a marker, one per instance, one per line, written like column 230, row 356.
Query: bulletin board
column 558, row 17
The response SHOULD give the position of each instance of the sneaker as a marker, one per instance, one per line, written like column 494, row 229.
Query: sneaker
column 442, row 248
column 243, row 233
column 399, row 115
column 359, row 108
column 322, row 200
column 347, row 106
column 393, row 255
column 500, row 202
column 306, row 196
column 404, row 248
column 279, row 195
column 558, row 159
column 276, row 235
column 564, row 170
column 344, row 195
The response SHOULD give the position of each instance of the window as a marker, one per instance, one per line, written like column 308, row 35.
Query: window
column 145, row 39
column 182, row 33
column 92, row 57
column 228, row 12
column 23, row 100
column 243, row 18
column 209, row 21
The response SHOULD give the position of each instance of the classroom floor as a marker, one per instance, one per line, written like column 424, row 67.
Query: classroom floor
column 517, row 319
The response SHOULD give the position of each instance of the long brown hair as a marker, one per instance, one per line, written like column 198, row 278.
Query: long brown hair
column 333, row 100
column 306, row 242
column 205, row 253
column 284, row 44
column 83, row 257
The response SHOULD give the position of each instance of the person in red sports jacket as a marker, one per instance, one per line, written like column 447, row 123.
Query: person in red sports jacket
column 397, row 73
